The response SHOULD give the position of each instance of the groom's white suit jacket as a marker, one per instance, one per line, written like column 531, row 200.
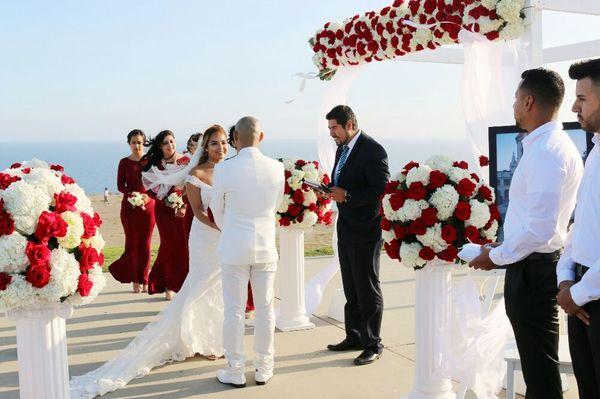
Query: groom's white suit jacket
column 247, row 190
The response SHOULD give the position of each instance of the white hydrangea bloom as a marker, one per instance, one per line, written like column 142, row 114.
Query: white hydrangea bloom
column 388, row 236
column 97, row 242
column 441, row 163
column 512, row 31
column 444, row 199
column 457, row 174
column 35, row 163
column 400, row 177
column 98, row 280
column 74, row 230
column 64, row 275
column 83, row 204
column 45, row 179
column 309, row 219
column 492, row 232
column 19, row 293
column 25, row 203
column 418, row 174
column 480, row 214
column 487, row 25
column 286, row 201
column 409, row 255
column 510, row 10
column 388, row 212
column 433, row 238
column 489, row 4
column 309, row 198
column 295, row 181
column 13, row 258
column 411, row 210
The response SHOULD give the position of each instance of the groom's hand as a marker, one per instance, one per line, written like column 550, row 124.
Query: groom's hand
column 338, row 194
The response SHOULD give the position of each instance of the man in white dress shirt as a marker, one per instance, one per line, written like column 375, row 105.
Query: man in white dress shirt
column 247, row 191
column 541, row 202
column 579, row 267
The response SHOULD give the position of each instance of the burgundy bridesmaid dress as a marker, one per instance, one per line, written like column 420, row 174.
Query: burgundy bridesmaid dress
column 138, row 224
column 172, row 261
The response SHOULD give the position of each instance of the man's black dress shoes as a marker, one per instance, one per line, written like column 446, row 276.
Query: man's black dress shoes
column 345, row 345
column 368, row 356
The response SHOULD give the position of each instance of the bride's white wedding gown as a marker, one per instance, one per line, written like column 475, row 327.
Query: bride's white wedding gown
column 192, row 323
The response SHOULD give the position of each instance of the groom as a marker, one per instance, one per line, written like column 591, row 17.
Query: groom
column 247, row 190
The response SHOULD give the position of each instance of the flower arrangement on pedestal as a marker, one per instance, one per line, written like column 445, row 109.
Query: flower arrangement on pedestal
column 301, row 207
column 50, row 246
column 430, row 210
column 408, row 26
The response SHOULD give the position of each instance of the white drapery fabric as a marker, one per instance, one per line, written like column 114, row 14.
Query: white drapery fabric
column 162, row 180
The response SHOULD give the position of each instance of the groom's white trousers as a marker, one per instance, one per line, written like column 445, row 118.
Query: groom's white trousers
column 235, row 293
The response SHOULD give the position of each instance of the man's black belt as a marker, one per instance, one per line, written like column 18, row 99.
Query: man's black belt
column 550, row 256
column 580, row 270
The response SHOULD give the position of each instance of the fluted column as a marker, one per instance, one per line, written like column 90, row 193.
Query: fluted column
column 292, row 311
column 42, row 351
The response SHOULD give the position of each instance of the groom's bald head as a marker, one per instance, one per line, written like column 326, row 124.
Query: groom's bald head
column 248, row 131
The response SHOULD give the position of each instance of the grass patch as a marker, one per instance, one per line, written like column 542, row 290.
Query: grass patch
column 111, row 254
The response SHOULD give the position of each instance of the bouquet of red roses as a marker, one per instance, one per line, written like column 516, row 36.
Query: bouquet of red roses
column 430, row 210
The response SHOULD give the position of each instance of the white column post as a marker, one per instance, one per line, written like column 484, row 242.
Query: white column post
column 292, row 311
column 432, row 314
column 533, row 33
column 42, row 351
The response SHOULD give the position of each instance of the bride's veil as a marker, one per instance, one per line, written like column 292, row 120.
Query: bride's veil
column 161, row 181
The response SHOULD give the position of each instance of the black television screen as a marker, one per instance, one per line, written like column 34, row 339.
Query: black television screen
column 506, row 150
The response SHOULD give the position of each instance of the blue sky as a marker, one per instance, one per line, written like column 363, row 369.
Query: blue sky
column 94, row 70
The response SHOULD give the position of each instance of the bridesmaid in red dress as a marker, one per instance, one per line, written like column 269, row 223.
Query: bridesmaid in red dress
column 138, row 222
column 172, row 261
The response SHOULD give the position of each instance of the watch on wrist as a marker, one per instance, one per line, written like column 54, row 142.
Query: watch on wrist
column 347, row 197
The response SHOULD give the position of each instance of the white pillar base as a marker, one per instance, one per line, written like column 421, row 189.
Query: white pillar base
column 42, row 350
column 432, row 314
column 292, row 311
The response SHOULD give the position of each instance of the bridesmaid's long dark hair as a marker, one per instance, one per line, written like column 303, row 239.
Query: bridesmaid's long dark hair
column 154, row 154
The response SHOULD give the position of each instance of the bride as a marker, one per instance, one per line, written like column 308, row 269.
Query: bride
column 193, row 322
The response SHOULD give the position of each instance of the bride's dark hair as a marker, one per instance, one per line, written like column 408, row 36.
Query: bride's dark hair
column 154, row 154
column 206, row 139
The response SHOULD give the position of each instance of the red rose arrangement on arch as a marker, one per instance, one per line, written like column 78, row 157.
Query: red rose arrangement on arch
column 50, row 244
column 408, row 26
column 430, row 210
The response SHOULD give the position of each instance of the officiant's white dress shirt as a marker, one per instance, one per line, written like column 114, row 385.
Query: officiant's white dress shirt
column 542, row 195
column 583, row 246
column 350, row 147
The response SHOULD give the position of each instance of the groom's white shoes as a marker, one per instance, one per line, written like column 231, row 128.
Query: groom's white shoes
column 262, row 377
column 236, row 379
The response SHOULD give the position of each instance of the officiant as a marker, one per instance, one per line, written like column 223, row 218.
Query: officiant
column 541, row 201
column 360, row 175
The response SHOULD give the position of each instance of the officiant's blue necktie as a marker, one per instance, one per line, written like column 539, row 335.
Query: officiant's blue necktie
column 342, row 161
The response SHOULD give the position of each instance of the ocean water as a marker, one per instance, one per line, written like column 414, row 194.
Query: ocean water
column 94, row 164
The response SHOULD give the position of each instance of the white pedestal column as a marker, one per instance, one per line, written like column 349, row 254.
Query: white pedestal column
column 42, row 351
column 432, row 313
column 292, row 311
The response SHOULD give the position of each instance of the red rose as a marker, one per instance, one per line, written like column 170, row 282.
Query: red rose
column 429, row 216
column 401, row 231
column 386, row 224
column 101, row 258
column 466, row 187
column 397, row 200
column 461, row 164
column 26, row 171
column 427, row 253
column 65, row 201
column 287, row 174
column 294, row 210
column 483, row 161
column 475, row 177
column 409, row 166
column 298, row 197
column 418, row 227
column 485, row 193
column 7, row 224
column 463, row 211
column 436, row 179
column 393, row 249
column 5, row 280
column 287, row 189
column 15, row 165
column 89, row 227
column 6, row 180
column 50, row 224
column 449, row 234
column 57, row 168
column 416, row 191
column 97, row 219
column 449, row 254
column 300, row 163
column 38, row 254
column 88, row 257
column 64, row 179
column 326, row 180
column 494, row 212
column 391, row 187
column 327, row 217
column 313, row 208
column 38, row 276
column 471, row 234
column 84, row 286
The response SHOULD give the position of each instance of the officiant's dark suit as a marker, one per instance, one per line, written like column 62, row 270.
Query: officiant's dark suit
column 359, row 177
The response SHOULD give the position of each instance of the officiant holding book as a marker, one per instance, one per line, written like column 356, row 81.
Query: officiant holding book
column 360, row 175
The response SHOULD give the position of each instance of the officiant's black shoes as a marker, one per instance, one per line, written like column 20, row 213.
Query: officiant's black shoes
column 345, row 345
column 368, row 356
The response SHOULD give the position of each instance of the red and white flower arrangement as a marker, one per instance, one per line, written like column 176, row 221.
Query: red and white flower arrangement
column 300, row 206
column 175, row 200
column 137, row 200
column 409, row 26
column 50, row 245
column 430, row 210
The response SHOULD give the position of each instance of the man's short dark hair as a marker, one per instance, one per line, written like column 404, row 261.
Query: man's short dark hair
column 586, row 69
column 545, row 85
column 342, row 114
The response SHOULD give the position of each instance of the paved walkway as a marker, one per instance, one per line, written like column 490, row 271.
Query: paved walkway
column 304, row 369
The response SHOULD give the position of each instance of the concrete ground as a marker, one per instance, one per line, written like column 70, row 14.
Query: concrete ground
column 304, row 368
